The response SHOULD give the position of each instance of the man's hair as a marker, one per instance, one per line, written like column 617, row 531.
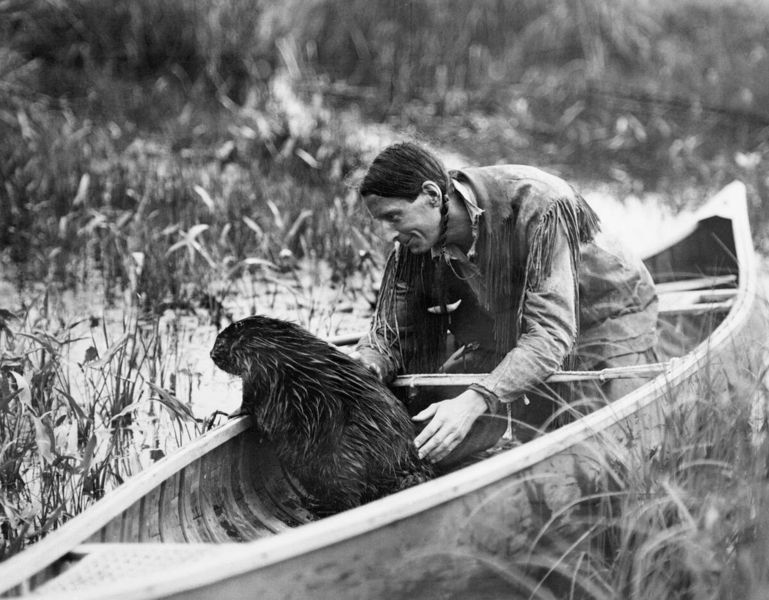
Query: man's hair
column 399, row 171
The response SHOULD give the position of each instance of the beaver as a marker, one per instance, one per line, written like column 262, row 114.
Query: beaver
column 337, row 428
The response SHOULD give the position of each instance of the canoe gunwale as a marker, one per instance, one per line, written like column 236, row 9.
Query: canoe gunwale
column 235, row 559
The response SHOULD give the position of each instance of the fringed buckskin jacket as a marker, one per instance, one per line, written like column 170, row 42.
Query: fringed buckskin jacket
column 541, row 288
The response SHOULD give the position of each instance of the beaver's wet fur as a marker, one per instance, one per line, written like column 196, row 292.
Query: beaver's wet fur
column 334, row 425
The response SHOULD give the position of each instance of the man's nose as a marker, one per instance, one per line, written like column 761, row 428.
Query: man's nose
column 388, row 231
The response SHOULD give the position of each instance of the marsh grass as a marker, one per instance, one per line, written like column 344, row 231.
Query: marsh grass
column 684, row 515
column 74, row 426
column 170, row 229
column 126, row 131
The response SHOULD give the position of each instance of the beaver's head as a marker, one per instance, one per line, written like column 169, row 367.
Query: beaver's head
column 259, row 339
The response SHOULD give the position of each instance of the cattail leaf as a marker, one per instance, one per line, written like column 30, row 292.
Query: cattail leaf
column 73, row 404
column 170, row 229
column 111, row 351
column 44, row 439
column 23, row 391
column 82, row 190
column 124, row 218
column 45, row 344
column 128, row 409
column 97, row 220
column 6, row 395
column 253, row 225
column 176, row 246
column 253, row 261
column 297, row 225
column 138, row 259
column 277, row 217
column 65, row 437
column 196, row 230
column 307, row 157
column 51, row 521
column 63, row 225
column 88, row 455
column 204, row 253
column 205, row 197
column 224, row 234
column 171, row 402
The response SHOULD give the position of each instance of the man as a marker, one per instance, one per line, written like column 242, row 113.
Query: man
column 508, row 264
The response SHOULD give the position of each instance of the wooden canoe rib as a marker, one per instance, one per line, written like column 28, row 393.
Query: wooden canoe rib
column 220, row 518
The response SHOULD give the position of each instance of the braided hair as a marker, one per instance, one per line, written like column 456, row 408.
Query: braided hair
column 443, row 258
column 399, row 171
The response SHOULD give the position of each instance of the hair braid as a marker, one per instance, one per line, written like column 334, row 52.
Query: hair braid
column 400, row 171
column 443, row 257
column 444, row 226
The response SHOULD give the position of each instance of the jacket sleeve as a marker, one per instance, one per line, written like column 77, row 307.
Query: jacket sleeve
column 374, row 349
column 549, row 331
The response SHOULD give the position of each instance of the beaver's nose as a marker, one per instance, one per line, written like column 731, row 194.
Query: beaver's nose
column 219, row 352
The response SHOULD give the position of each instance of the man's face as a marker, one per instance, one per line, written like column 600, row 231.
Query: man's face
column 416, row 225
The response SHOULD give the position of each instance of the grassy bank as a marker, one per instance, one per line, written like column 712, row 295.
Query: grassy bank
column 683, row 518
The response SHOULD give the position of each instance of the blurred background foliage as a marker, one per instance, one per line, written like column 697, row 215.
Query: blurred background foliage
column 124, row 124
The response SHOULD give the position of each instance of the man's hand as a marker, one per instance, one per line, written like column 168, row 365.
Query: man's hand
column 373, row 366
column 450, row 424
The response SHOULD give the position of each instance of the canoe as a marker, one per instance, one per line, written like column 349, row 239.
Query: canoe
column 221, row 518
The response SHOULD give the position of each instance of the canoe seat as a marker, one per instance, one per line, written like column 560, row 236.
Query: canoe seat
column 696, row 301
column 699, row 283
column 90, row 566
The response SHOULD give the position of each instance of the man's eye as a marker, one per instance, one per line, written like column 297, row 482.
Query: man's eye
column 392, row 218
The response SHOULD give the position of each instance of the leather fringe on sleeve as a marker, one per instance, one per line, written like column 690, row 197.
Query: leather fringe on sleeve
column 518, row 257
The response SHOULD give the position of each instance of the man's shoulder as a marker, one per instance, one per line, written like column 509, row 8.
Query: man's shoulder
column 516, row 174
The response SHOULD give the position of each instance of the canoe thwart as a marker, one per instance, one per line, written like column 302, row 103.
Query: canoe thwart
column 466, row 379
column 700, row 283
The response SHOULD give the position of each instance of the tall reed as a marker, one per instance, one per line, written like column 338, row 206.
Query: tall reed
column 682, row 516
column 72, row 427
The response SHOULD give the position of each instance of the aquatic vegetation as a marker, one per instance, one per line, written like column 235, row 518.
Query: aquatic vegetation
column 681, row 517
column 81, row 409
